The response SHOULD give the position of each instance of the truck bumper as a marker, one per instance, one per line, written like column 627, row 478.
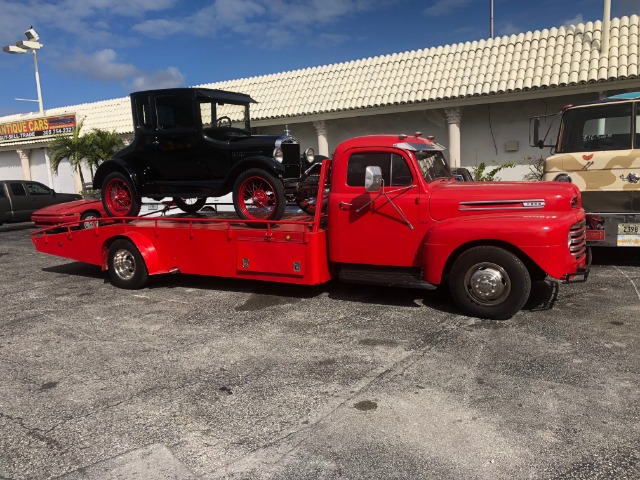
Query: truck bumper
column 581, row 274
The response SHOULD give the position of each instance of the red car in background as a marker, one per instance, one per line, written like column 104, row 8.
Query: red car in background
column 88, row 209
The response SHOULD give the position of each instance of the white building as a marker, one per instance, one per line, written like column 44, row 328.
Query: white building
column 475, row 97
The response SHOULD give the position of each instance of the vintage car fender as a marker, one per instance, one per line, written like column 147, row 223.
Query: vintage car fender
column 266, row 163
column 145, row 247
column 540, row 237
column 116, row 165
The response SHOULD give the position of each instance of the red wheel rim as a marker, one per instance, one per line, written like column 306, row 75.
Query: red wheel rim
column 257, row 198
column 118, row 197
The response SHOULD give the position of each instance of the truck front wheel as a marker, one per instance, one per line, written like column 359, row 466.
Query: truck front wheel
column 118, row 196
column 489, row 282
column 258, row 195
column 126, row 265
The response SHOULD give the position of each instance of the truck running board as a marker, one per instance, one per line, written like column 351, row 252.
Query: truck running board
column 387, row 276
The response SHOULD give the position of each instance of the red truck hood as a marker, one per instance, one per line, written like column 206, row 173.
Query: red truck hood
column 453, row 199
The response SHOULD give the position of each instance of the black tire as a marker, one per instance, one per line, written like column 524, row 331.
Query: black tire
column 307, row 194
column 190, row 205
column 126, row 265
column 90, row 215
column 119, row 198
column 489, row 282
column 258, row 195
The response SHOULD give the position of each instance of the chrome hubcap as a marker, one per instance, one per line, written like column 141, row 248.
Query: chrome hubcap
column 488, row 283
column 124, row 265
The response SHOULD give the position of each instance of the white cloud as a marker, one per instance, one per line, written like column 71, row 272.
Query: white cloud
column 159, row 28
column 442, row 8
column 508, row 28
column 574, row 21
column 103, row 66
column 171, row 77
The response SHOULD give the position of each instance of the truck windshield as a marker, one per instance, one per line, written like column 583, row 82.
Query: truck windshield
column 605, row 127
column 433, row 165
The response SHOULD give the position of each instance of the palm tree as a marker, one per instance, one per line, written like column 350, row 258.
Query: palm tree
column 102, row 145
column 74, row 147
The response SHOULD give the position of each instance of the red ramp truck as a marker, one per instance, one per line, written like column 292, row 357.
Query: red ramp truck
column 394, row 216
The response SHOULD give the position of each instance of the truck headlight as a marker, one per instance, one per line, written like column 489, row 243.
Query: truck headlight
column 278, row 155
column 563, row 177
column 309, row 155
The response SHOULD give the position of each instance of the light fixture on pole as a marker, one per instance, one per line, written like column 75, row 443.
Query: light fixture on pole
column 26, row 46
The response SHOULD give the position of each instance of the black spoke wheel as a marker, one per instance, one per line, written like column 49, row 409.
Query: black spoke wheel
column 258, row 195
column 118, row 196
column 489, row 282
column 307, row 194
column 190, row 205
column 126, row 265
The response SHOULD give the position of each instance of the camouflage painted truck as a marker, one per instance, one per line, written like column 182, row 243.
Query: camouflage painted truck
column 598, row 150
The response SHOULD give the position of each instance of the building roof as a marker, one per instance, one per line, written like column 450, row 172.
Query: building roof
column 551, row 58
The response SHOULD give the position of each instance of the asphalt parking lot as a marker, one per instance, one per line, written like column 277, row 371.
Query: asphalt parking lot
column 212, row 378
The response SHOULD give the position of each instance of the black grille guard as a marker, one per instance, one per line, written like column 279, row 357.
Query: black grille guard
column 581, row 274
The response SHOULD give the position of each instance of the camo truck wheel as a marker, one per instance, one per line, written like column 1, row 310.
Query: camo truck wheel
column 258, row 195
column 189, row 205
column 126, row 265
column 489, row 282
column 118, row 196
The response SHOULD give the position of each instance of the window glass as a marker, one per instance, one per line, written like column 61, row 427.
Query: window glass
column 17, row 189
column 2, row 194
column 143, row 112
column 395, row 171
column 606, row 127
column 38, row 189
column 175, row 112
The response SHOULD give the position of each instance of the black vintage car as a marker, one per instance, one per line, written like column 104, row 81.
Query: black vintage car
column 194, row 143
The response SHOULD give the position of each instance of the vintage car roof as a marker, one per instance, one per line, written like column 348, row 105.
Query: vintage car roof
column 203, row 93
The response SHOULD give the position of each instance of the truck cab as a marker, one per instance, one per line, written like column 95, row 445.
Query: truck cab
column 598, row 150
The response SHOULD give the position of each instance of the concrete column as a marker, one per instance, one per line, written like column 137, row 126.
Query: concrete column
column 454, row 118
column 24, row 160
column 323, row 143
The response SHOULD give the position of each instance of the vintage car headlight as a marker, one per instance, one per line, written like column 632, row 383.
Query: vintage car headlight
column 309, row 155
column 278, row 156
column 563, row 177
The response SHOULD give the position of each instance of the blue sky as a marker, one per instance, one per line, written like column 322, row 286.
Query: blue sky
column 101, row 49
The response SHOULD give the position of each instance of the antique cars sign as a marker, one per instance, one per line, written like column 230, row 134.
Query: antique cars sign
column 37, row 127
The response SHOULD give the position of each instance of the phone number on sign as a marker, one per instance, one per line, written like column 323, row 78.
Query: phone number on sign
column 41, row 133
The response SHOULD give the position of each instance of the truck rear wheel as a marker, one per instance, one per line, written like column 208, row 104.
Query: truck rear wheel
column 489, row 282
column 258, row 195
column 190, row 205
column 126, row 265
column 118, row 196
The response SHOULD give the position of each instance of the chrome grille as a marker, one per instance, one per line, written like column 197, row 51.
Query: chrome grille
column 578, row 240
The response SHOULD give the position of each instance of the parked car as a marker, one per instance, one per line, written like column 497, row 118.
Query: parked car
column 20, row 198
column 87, row 209
column 194, row 143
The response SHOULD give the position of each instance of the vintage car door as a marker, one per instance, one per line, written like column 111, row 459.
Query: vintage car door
column 177, row 140
column 378, row 228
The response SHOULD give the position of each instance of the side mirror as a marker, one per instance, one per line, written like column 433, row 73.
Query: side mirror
column 373, row 179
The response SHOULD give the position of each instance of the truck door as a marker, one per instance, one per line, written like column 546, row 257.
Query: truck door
column 5, row 206
column 20, row 202
column 378, row 228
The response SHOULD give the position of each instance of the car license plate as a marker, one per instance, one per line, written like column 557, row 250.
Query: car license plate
column 629, row 229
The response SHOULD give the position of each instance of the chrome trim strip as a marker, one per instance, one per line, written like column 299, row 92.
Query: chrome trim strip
column 527, row 204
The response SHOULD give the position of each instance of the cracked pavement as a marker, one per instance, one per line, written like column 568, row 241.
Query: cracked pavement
column 205, row 378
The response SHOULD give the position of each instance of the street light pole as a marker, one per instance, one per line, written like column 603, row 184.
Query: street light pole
column 29, row 46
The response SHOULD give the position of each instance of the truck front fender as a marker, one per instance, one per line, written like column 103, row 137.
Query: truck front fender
column 145, row 247
column 540, row 239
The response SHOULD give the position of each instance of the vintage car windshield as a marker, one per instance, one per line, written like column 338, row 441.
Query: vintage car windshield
column 225, row 115
column 432, row 164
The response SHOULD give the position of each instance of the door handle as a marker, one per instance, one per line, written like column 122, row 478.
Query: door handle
column 345, row 205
